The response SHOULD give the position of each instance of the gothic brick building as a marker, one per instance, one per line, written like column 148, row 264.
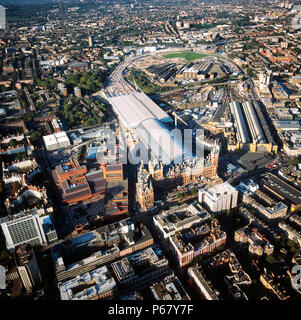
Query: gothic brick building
column 144, row 189
column 167, row 177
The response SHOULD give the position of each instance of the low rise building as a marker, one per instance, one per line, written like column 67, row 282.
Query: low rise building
column 203, row 283
column 77, row 92
column 249, row 187
column 169, row 288
column 61, row 86
column 266, row 206
column 180, row 217
column 250, row 215
column 269, row 280
column 56, row 124
column 141, row 268
column 257, row 243
column 188, row 244
column 97, row 284
column 283, row 191
column 98, row 248
column 292, row 232
column 236, row 279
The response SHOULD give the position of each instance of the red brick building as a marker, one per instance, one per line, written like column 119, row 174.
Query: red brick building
column 76, row 184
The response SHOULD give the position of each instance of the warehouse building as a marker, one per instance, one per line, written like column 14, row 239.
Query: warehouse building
column 56, row 141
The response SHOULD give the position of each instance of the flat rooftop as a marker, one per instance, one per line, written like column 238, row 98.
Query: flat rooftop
column 283, row 189
column 181, row 216
column 88, row 285
column 90, row 246
column 220, row 190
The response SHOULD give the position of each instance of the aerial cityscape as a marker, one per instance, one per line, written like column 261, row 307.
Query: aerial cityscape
column 150, row 150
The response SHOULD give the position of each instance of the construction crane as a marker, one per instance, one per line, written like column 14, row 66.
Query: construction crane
column 177, row 117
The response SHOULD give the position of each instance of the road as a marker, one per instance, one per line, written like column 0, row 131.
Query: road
column 117, row 84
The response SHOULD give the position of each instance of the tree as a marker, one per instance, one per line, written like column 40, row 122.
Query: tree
column 251, row 73
column 49, row 84
column 13, row 143
column 293, row 162
column 35, row 135
column 291, row 246
column 238, row 221
column 21, row 156
column 271, row 259
column 212, row 217
column 88, row 82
